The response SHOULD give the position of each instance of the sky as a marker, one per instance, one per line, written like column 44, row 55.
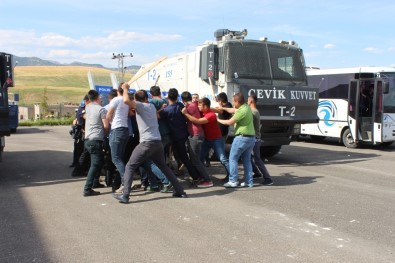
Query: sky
column 332, row 34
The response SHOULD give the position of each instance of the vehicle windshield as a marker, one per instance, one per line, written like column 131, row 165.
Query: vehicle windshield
column 250, row 60
column 389, row 99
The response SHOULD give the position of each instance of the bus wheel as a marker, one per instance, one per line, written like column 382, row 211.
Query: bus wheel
column 269, row 151
column 348, row 140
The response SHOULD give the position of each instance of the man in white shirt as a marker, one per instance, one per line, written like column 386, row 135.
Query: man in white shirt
column 118, row 116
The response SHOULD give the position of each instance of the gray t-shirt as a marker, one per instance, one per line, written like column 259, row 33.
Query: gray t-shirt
column 147, row 121
column 94, row 129
column 257, row 122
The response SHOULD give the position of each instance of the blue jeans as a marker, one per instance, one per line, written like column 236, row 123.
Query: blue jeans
column 118, row 139
column 95, row 149
column 153, row 172
column 241, row 147
column 218, row 145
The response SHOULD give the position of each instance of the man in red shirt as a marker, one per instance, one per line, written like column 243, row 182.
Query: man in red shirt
column 213, row 136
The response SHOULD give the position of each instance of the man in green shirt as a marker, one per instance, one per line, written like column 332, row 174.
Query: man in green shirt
column 243, row 142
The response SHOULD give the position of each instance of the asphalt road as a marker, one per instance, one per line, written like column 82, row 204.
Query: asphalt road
column 328, row 204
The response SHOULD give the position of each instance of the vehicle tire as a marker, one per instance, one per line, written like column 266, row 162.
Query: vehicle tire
column 386, row 144
column 348, row 140
column 269, row 151
column 316, row 138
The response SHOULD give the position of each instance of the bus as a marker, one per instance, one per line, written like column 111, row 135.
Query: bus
column 273, row 71
column 356, row 105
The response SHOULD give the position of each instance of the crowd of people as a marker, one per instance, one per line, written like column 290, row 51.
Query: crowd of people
column 138, row 134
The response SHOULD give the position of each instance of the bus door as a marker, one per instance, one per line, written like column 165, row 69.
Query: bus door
column 353, row 110
column 367, row 109
column 377, row 112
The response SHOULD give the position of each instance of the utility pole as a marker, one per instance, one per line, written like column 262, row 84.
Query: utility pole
column 121, row 69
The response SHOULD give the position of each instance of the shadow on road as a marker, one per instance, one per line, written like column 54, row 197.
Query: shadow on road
column 335, row 142
column 302, row 156
column 20, row 236
column 31, row 130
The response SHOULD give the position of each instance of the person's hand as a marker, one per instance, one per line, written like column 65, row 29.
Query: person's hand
column 125, row 86
column 184, row 110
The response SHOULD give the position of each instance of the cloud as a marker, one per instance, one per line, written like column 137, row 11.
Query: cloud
column 66, row 49
column 329, row 46
column 372, row 50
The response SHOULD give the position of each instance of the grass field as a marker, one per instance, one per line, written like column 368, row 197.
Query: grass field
column 64, row 84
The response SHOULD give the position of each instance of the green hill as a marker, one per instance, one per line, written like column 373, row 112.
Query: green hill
column 63, row 84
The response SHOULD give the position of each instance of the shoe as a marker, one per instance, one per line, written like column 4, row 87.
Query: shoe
column 120, row 190
column 205, row 184
column 90, row 192
column 152, row 189
column 267, row 181
column 121, row 198
column 167, row 188
column 243, row 184
column 257, row 175
column 98, row 185
column 182, row 195
column 231, row 184
column 196, row 182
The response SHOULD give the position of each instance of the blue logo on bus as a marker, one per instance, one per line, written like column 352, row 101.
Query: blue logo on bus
column 327, row 112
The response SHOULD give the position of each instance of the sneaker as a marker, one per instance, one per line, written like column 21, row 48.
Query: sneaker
column 196, row 182
column 90, row 192
column 120, row 190
column 121, row 198
column 167, row 188
column 231, row 184
column 267, row 181
column 182, row 195
column 152, row 189
column 205, row 184
column 98, row 185
column 243, row 184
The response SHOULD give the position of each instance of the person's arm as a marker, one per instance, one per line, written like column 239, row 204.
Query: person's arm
column 227, row 122
column 106, row 126
column 193, row 119
column 229, row 110
column 126, row 99
column 110, row 113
